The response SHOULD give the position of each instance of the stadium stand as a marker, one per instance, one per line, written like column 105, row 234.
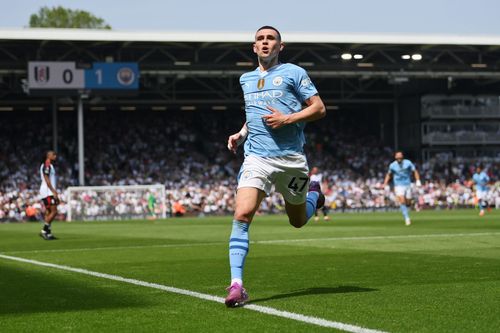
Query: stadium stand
column 186, row 152
column 442, row 109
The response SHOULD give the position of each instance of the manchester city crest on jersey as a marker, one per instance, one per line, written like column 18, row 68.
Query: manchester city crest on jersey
column 260, row 83
column 277, row 81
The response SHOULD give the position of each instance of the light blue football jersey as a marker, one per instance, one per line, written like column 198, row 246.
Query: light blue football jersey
column 481, row 180
column 401, row 173
column 284, row 87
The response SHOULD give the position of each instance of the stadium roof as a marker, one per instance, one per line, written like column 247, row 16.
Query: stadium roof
column 203, row 68
column 242, row 37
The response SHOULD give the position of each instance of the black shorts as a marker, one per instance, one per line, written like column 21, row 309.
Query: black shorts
column 50, row 201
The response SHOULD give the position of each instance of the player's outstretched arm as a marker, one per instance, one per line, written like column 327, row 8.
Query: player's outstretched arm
column 386, row 180
column 237, row 139
column 315, row 110
column 417, row 178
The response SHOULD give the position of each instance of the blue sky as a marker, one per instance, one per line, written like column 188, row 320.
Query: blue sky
column 385, row 16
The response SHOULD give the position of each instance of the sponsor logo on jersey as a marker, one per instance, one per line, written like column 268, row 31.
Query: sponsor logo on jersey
column 264, row 94
column 267, row 97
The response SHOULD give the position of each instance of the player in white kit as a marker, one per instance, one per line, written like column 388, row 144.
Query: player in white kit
column 48, row 193
column 317, row 176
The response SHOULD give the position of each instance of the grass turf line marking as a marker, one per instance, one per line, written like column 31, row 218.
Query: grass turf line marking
column 118, row 247
column 377, row 237
column 275, row 241
column 258, row 308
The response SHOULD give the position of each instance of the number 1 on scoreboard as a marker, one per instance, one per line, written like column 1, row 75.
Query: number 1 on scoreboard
column 98, row 73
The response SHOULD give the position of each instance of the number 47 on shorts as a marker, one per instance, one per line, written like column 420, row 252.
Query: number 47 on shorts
column 296, row 183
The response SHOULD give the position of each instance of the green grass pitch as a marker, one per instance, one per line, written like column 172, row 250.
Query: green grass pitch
column 442, row 274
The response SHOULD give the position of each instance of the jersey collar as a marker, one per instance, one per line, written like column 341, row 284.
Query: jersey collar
column 264, row 73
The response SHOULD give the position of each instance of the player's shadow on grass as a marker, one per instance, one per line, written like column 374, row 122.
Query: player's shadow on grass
column 316, row 291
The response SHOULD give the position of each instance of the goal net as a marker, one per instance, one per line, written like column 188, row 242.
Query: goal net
column 115, row 202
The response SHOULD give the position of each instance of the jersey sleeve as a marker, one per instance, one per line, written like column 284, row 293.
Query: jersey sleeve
column 46, row 168
column 412, row 166
column 304, row 87
column 391, row 171
column 242, row 81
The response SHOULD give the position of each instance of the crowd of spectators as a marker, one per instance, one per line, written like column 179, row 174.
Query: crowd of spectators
column 185, row 151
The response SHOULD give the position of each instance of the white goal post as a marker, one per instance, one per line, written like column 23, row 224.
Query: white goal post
column 116, row 202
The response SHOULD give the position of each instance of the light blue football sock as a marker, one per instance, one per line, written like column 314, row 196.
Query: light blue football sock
column 238, row 249
column 311, row 203
column 404, row 210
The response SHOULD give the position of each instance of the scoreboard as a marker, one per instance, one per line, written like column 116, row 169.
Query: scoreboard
column 65, row 77
column 55, row 78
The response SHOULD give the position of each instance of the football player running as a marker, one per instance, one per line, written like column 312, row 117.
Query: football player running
column 274, row 94
column 400, row 171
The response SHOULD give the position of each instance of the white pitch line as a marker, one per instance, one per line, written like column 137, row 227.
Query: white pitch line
column 273, row 241
column 377, row 237
column 258, row 308
column 118, row 247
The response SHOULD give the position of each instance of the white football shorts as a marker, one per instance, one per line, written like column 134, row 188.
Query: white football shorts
column 289, row 175
column 481, row 195
column 403, row 191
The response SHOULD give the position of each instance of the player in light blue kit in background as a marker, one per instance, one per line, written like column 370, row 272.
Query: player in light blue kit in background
column 275, row 94
column 481, row 180
column 400, row 171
